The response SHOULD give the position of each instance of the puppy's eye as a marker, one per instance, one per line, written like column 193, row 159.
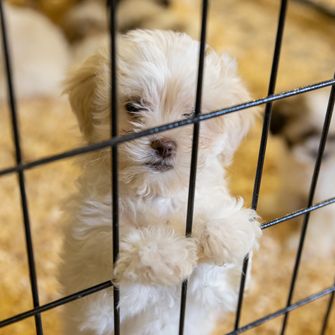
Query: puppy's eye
column 134, row 107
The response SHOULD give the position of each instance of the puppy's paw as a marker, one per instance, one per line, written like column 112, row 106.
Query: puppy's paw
column 229, row 240
column 155, row 256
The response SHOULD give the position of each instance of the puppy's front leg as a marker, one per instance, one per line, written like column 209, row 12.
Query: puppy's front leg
column 155, row 255
column 230, row 239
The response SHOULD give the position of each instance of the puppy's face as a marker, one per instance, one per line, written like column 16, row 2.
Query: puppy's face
column 156, row 85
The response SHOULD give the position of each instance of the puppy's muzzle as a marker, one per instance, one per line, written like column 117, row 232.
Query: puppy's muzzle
column 164, row 148
column 165, row 151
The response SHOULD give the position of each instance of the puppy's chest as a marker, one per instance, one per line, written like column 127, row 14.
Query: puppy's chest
column 170, row 211
column 145, row 213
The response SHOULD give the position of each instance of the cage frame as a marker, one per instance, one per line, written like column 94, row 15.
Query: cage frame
column 21, row 166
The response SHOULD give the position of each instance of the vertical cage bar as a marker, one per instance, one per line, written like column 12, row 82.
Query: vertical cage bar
column 263, row 143
column 21, row 178
column 194, row 156
column 327, row 314
column 312, row 189
column 114, row 155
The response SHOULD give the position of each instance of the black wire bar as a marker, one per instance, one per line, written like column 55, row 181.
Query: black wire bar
column 327, row 314
column 263, row 143
column 108, row 284
column 297, row 213
column 194, row 155
column 288, row 309
column 312, row 189
column 56, row 303
column 165, row 127
column 325, row 10
column 20, row 173
column 195, row 120
column 114, row 155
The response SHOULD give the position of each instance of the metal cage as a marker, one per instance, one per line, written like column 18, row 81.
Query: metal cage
column 21, row 166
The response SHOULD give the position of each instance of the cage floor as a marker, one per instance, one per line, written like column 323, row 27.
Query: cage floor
column 246, row 29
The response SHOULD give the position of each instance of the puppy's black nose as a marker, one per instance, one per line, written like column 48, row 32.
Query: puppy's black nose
column 164, row 147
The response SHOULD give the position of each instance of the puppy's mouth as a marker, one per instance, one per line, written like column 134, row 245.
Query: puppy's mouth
column 160, row 166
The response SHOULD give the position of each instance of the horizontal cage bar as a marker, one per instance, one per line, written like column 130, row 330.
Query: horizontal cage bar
column 282, row 311
column 133, row 136
column 108, row 284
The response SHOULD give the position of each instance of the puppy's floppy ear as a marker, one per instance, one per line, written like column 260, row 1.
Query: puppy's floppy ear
column 238, row 124
column 231, row 127
column 87, row 88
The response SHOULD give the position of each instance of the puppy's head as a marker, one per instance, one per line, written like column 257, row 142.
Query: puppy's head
column 157, row 74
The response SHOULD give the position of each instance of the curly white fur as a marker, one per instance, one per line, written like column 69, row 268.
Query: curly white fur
column 157, row 73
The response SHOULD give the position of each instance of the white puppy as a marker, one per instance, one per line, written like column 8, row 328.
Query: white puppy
column 299, row 121
column 157, row 80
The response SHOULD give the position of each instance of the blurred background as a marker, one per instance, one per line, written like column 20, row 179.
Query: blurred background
column 48, row 37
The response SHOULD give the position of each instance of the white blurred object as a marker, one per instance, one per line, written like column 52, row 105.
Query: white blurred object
column 87, row 18
column 301, row 122
column 148, row 14
column 86, row 24
column 88, row 46
column 39, row 54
